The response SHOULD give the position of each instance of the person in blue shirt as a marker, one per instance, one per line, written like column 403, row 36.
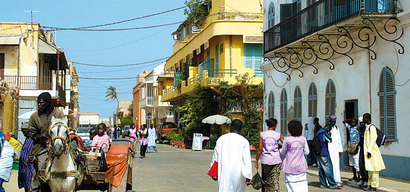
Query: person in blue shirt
column 353, row 138
column 93, row 133
column 324, row 163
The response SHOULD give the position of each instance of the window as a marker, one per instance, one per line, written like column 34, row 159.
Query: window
column 312, row 98
column 298, row 104
column 217, row 61
column 330, row 99
column 271, row 15
column 271, row 105
column 253, row 58
column 387, row 104
column 283, row 112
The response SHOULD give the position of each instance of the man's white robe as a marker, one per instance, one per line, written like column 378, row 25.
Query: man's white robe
column 234, row 162
column 335, row 147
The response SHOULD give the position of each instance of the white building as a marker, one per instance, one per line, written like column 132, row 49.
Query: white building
column 88, row 119
column 154, row 109
column 342, row 58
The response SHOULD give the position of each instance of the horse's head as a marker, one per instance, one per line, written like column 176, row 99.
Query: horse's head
column 59, row 135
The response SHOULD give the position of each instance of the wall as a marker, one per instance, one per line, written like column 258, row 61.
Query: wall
column 358, row 81
column 89, row 119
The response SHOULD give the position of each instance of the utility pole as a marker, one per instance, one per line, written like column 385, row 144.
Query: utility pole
column 31, row 15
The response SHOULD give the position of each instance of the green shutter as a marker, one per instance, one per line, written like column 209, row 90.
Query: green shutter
column 217, row 61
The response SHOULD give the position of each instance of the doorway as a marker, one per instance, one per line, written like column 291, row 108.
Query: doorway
column 351, row 109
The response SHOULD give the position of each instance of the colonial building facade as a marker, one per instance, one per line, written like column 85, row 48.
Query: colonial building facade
column 343, row 58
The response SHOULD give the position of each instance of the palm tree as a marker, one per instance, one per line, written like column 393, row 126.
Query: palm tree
column 111, row 94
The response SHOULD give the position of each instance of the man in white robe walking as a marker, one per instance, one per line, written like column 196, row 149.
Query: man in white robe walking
column 234, row 160
column 335, row 150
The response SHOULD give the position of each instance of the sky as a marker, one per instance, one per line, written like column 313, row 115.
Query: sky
column 103, row 48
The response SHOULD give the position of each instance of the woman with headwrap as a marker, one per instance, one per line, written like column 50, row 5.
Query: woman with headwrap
column 6, row 160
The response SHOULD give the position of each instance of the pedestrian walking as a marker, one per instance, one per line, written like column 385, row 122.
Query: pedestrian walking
column 324, row 162
column 353, row 150
column 25, row 172
column 335, row 149
column 132, row 134
column 6, row 160
column 233, row 156
column 373, row 158
column 143, row 141
column 152, row 137
column 114, row 133
column 363, row 173
column 294, row 165
column 270, row 156
column 310, row 134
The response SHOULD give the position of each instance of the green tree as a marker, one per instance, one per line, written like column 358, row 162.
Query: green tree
column 249, row 96
column 199, row 104
column 111, row 94
column 196, row 12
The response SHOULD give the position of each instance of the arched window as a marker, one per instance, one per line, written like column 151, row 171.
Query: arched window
column 387, row 104
column 312, row 98
column 298, row 104
column 283, row 112
column 271, row 105
column 271, row 15
column 330, row 99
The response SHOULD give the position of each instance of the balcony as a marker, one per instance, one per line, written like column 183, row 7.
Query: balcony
column 323, row 14
column 147, row 102
column 328, row 29
column 30, row 82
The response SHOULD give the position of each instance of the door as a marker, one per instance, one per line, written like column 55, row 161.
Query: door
column 351, row 109
column 2, row 65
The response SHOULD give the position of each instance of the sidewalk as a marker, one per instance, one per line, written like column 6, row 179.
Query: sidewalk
column 387, row 184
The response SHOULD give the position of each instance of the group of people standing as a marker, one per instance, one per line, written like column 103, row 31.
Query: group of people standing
column 146, row 138
column 322, row 147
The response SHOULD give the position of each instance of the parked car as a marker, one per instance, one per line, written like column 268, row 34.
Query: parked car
column 163, row 129
column 84, row 133
column 126, row 131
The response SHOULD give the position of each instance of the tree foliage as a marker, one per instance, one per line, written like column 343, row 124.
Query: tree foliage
column 196, row 12
column 249, row 97
column 126, row 121
column 199, row 104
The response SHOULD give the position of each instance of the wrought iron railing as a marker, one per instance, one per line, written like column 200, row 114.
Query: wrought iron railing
column 206, row 65
column 30, row 82
column 320, row 15
column 234, row 16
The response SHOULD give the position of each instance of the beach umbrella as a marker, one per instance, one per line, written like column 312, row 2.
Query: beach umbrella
column 216, row 119
column 26, row 115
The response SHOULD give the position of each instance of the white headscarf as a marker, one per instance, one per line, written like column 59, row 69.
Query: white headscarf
column 310, row 129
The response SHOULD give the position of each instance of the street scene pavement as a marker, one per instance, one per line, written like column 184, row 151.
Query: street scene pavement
column 180, row 170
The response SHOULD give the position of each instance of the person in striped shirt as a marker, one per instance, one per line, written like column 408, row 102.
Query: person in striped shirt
column 26, row 168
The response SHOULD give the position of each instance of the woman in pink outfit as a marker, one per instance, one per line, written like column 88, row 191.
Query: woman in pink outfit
column 101, row 141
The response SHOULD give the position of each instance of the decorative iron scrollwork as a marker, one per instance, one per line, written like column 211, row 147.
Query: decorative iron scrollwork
column 342, row 41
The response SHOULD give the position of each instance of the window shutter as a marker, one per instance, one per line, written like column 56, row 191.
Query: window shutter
column 216, row 61
column 283, row 111
column 258, row 61
column 249, row 53
column 387, row 102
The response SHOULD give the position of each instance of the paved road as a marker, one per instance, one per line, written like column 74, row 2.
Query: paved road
column 173, row 169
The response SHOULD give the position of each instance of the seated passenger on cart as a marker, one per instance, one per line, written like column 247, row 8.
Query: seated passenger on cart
column 75, row 140
column 101, row 140
column 88, row 142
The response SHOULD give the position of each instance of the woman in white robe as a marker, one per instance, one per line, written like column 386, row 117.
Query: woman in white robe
column 335, row 150
column 6, row 162
column 152, row 137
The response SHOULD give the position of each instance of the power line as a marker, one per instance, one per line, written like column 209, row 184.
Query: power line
column 122, row 65
column 127, row 69
column 117, row 22
column 108, row 78
column 115, row 29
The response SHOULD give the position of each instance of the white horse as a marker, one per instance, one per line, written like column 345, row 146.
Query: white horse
column 63, row 173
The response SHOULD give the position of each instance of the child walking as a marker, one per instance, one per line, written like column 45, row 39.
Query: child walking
column 294, row 165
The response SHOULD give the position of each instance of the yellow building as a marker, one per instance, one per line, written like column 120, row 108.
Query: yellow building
column 227, row 44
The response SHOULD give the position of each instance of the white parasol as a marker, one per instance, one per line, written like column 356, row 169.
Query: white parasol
column 26, row 115
column 216, row 119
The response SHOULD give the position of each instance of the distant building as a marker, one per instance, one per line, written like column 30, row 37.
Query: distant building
column 123, row 108
column 88, row 119
column 138, row 112
column 107, row 121
column 344, row 59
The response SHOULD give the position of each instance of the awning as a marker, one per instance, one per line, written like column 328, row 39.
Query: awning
column 45, row 48
column 10, row 39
